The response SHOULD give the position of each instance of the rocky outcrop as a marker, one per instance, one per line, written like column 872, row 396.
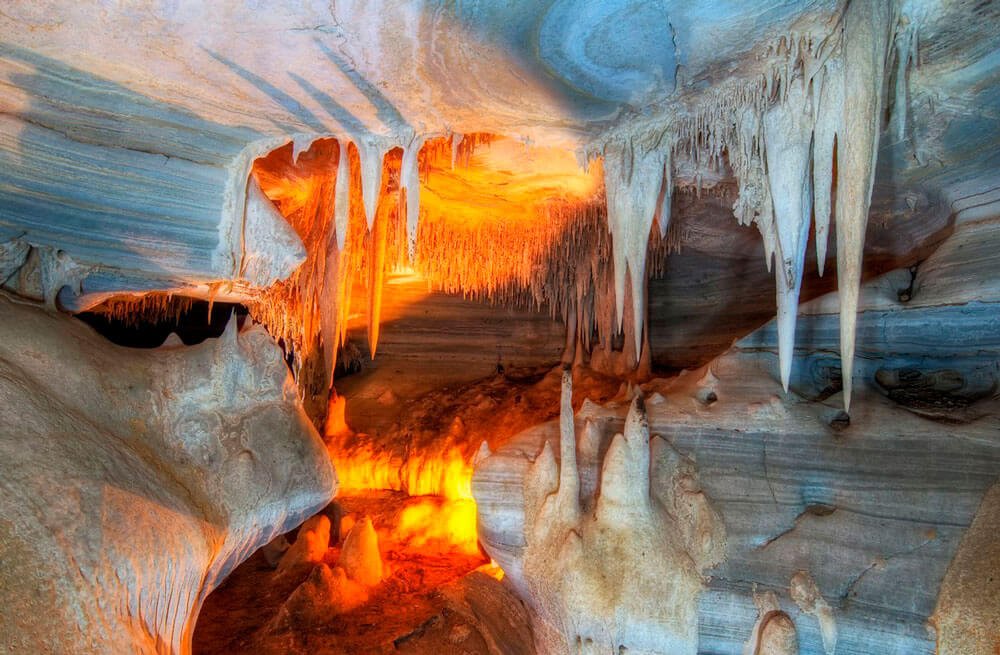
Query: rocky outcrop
column 132, row 482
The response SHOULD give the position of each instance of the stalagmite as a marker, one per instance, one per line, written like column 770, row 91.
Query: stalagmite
column 409, row 180
column 371, row 152
column 632, row 178
column 828, row 98
column 569, row 477
column 342, row 195
column 624, row 575
column 625, row 475
column 788, row 140
column 867, row 25
column 360, row 555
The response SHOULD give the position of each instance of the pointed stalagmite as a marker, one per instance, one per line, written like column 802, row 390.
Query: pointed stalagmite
column 867, row 26
column 625, row 474
column 360, row 555
column 569, row 475
column 543, row 478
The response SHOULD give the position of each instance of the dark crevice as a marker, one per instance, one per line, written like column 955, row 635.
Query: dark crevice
column 192, row 322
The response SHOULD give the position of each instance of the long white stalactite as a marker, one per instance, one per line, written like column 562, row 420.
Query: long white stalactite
column 787, row 138
column 867, row 36
column 633, row 176
column 409, row 181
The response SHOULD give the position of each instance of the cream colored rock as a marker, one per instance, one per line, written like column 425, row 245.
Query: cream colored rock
column 807, row 596
column 360, row 555
column 622, row 569
column 133, row 481
column 967, row 616
column 310, row 545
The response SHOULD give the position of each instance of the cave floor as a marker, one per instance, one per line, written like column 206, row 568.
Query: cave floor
column 241, row 616
column 437, row 596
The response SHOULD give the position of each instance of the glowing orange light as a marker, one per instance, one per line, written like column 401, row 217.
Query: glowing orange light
column 443, row 518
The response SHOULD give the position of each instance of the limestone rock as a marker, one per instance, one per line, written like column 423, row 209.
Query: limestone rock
column 967, row 616
column 621, row 569
column 325, row 593
column 310, row 545
column 869, row 505
column 133, row 481
column 360, row 555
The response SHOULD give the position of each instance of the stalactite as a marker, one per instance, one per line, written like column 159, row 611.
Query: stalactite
column 633, row 177
column 152, row 308
column 371, row 152
column 867, row 35
column 788, row 142
column 342, row 195
column 828, row 90
column 666, row 196
column 376, row 275
column 572, row 250
column 827, row 87
column 409, row 181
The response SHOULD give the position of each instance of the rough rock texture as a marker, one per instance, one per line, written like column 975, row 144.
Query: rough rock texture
column 132, row 482
column 967, row 616
column 619, row 568
column 480, row 615
column 850, row 521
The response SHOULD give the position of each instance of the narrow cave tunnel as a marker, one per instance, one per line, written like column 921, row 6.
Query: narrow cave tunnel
column 631, row 327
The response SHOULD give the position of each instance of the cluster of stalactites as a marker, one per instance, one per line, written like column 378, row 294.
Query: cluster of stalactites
column 561, row 259
column 814, row 114
column 151, row 308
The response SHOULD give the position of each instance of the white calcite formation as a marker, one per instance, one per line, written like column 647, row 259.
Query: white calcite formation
column 129, row 134
column 132, row 482
column 617, row 567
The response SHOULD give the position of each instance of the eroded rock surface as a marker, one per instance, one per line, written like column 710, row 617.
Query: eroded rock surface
column 132, row 482
column 617, row 567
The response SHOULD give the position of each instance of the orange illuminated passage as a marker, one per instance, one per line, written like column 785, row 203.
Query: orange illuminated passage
column 440, row 515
